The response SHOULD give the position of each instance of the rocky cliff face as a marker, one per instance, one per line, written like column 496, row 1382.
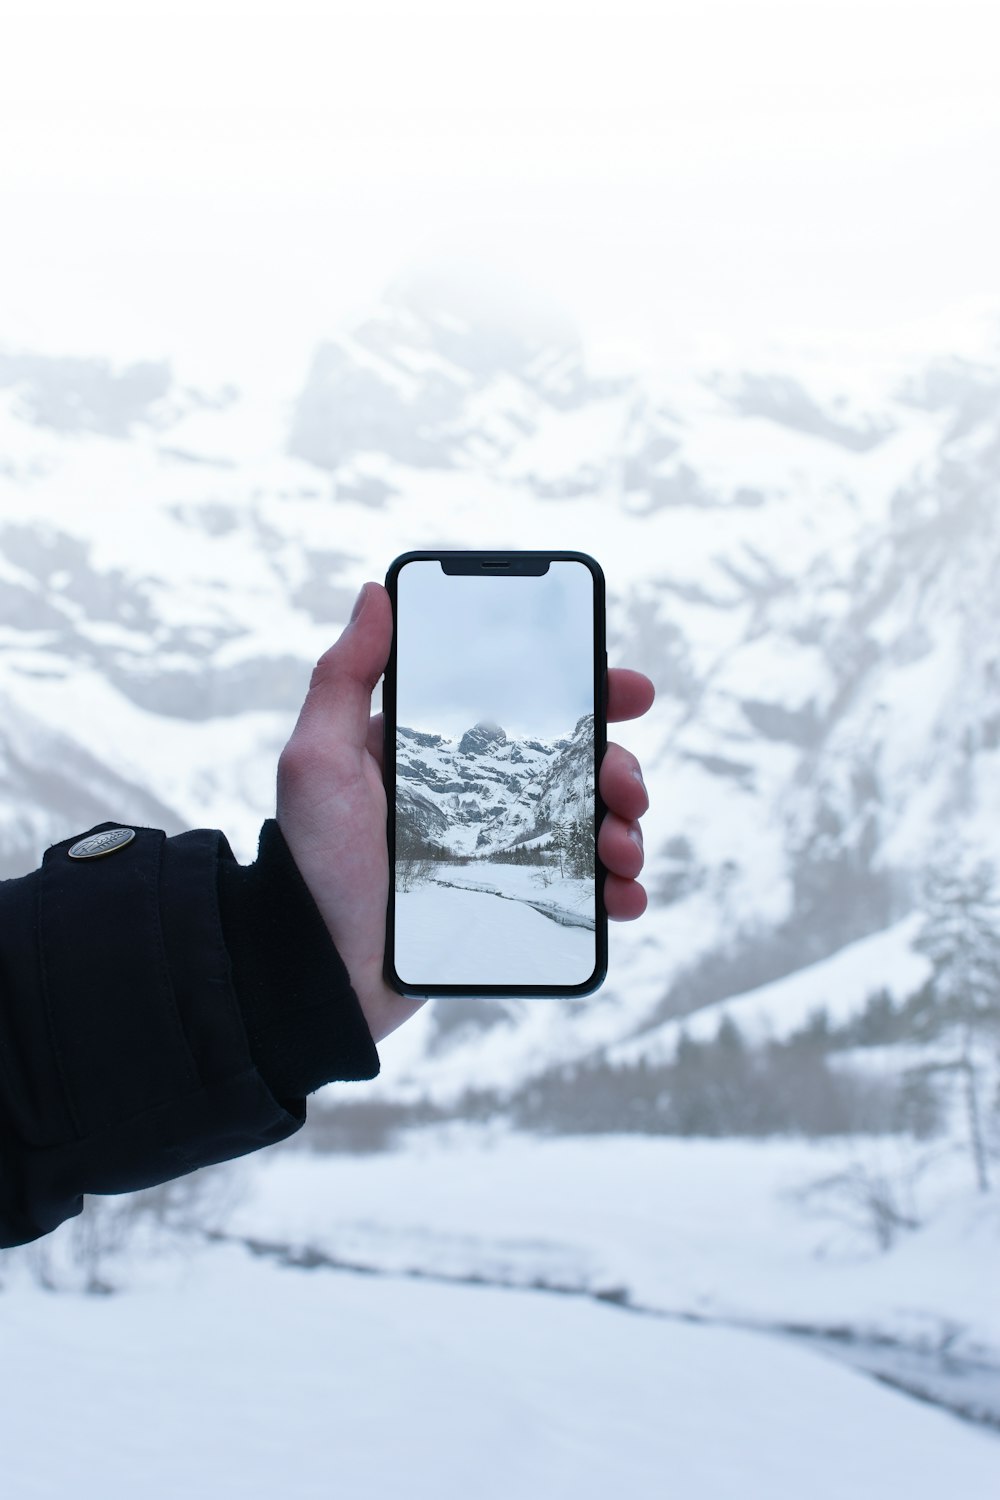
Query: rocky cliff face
column 479, row 793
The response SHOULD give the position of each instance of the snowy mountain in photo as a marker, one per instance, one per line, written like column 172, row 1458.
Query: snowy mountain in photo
column 805, row 557
column 484, row 791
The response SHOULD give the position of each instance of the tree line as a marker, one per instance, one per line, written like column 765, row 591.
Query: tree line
column 570, row 846
column 809, row 1082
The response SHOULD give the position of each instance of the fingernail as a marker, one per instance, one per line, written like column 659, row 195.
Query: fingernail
column 635, row 834
column 638, row 776
column 359, row 603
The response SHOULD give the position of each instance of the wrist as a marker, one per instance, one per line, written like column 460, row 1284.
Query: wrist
column 304, row 1023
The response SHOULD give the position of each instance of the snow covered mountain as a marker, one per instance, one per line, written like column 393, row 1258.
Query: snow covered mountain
column 805, row 557
column 486, row 792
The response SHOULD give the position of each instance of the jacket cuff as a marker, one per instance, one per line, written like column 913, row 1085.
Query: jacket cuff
column 304, row 1023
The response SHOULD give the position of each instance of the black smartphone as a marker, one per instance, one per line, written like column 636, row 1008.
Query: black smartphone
column 495, row 727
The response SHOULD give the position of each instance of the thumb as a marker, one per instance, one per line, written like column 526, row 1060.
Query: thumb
column 340, row 692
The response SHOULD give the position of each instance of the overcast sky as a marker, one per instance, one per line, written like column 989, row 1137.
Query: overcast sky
column 234, row 178
column 518, row 652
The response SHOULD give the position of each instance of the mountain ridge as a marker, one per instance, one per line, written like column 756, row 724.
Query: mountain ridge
column 506, row 791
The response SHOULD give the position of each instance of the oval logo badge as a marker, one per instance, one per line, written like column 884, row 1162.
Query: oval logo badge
column 102, row 843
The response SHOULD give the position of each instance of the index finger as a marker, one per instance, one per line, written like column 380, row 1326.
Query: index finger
column 630, row 694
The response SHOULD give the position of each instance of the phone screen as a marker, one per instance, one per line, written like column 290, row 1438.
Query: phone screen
column 495, row 729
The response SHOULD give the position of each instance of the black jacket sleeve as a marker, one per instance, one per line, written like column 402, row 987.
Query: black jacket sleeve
column 162, row 1008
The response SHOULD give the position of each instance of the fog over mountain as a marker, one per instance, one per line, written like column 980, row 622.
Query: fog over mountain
column 809, row 570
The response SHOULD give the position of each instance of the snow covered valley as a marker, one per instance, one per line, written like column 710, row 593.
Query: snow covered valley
column 485, row 1312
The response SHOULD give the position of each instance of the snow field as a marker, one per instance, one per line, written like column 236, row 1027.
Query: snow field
column 522, row 882
column 716, row 1228
column 241, row 1379
column 446, row 936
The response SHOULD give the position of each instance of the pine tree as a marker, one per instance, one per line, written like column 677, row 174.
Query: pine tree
column 961, row 937
column 561, row 829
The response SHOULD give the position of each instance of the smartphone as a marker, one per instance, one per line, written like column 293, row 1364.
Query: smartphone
column 495, row 727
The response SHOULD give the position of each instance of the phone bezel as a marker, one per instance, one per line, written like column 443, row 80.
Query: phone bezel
column 472, row 561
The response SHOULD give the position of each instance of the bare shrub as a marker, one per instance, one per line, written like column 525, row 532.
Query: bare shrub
column 413, row 872
column 872, row 1202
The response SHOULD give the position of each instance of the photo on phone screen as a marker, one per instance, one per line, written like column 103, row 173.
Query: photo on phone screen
column 494, row 704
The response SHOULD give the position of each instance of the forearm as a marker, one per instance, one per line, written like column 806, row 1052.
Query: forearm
column 161, row 1008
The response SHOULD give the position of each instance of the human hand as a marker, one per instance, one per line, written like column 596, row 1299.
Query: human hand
column 332, row 806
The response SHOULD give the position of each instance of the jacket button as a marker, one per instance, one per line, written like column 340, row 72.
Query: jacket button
column 102, row 843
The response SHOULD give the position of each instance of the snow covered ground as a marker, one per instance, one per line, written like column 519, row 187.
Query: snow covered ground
column 450, row 936
column 224, row 1372
column 537, row 885
column 713, row 1228
column 232, row 1377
